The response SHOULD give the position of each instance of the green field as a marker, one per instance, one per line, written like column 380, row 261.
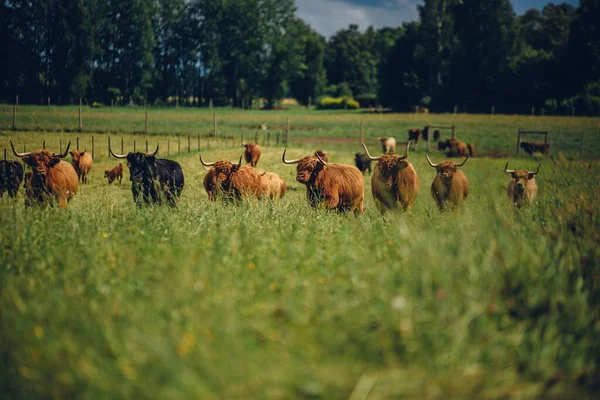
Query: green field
column 280, row 301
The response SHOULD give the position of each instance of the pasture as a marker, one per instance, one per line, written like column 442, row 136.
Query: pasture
column 276, row 300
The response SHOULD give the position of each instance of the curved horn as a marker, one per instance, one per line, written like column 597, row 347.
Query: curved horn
column 429, row 161
column 205, row 164
column 508, row 171
column 264, row 173
column 152, row 154
column 369, row 154
column 463, row 163
column 405, row 156
column 116, row 155
column 288, row 161
column 320, row 159
column 63, row 155
column 239, row 162
column 16, row 153
column 536, row 172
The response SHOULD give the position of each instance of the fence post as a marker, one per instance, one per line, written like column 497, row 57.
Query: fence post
column 362, row 127
column 77, row 143
column 532, row 111
column 134, row 148
column 80, row 120
column 4, row 154
column 146, row 145
column 215, row 129
column 168, row 147
column 198, row 142
column 189, row 145
column 48, row 103
column 15, row 117
column 453, row 131
column 146, row 122
column 108, row 143
column 455, row 110
column 493, row 110
column 17, row 101
column 210, row 103
column 268, row 138
column 122, row 147
column 44, row 145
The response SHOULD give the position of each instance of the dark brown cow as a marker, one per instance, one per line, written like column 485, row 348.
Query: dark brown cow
column 230, row 181
column 395, row 183
column 414, row 134
column 82, row 162
column 535, row 147
column 521, row 189
column 450, row 185
column 322, row 154
column 11, row 176
column 455, row 147
column 252, row 153
column 273, row 186
column 362, row 162
column 425, row 134
column 115, row 173
column 52, row 179
column 333, row 186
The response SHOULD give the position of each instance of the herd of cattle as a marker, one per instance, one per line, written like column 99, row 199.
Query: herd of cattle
column 394, row 182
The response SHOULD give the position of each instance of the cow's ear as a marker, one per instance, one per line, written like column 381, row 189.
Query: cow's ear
column 530, row 175
column 53, row 161
column 28, row 160
column 514, row 175
column 82, row 153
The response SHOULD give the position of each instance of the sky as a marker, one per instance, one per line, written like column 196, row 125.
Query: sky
column 329, row 16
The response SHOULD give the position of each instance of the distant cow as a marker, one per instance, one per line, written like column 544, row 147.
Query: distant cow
column 11, row 176
column 425, row 134
column 82, row 162
column 395, row 183
column 535, row 147
column 414, row 134
column 521, row 189
column 273, row 186
column 51, row 179
column 153, row 180
column 388, row 145
column 450, row 185
column 230, row 181
column 323, row 155
column 334, row 186
column 115, row 173
column 252, row 153
column 456, row 148
column 362, row 162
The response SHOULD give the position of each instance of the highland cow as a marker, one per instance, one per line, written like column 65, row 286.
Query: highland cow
column 252, row 153
column 229, row 181
column 82, row 162
column 450, row 185
column 522, row 188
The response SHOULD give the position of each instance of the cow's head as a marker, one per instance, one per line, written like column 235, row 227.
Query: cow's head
column 141, row 165
column 76, row 155
column 521, row 177
column 391, row 161
column 382, row 139
column 446, row 169
column 40, row 161
column 308, row 167
column 221, row 172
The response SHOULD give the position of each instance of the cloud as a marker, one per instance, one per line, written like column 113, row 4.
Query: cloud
column 329, row 16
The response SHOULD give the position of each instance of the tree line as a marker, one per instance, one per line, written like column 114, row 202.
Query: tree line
column 469, row 54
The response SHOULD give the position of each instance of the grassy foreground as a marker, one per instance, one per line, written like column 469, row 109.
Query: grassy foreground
column 278, row 301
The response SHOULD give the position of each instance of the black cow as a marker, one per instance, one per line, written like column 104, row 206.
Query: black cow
column 363, row 162
column 11, row 176
column 153, row 180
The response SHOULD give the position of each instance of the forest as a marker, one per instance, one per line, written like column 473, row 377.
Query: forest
column 465, row 55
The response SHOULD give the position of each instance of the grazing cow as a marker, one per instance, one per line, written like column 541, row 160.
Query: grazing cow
column 521, row 189
column 471, row 148
column 153, row 180
column 230, row 181
column 450, row 185
column 455, row 147
column 82, row 162
column 395, row 183
column 414, row 134
column 388, row 145
column 115, row 173
column 334, row 186
column 273, row 186
column 252, row 153
column 535, row 147
column 52, row 179
column 323, row 155
column 362, row 162
column 11, row 176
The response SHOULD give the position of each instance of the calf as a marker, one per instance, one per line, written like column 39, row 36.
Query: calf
column 521, row 189
column 450, row 185
column 115, row 173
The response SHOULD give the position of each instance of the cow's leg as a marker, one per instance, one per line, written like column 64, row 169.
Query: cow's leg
column 332, row 201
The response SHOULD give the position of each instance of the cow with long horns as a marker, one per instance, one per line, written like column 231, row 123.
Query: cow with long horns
column 521, row 189
column 82, row 162
column 395, row 183
column 51, row 179
column 230, row 181
column 450, row 185
column 11, row 176
column 153, row 180
column 334, row 186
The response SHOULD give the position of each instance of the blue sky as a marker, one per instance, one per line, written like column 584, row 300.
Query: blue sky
column 328, row 16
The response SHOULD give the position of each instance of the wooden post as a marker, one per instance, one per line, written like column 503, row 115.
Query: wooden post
column 77, row 143
column 215, row 129
column 532, row 111
column 198, row 142
column 493, row 110
column 146, row 145
column 122, row 147
column 92, row 147
column 134, row 148
column 80, row 120
column 210, row 103
column 48, row 103
column 108, row 143
column 17, row 101
column 518, row 142
column 15, row 117
column 455, row 110
column 146, row 122
column 189, row 145
column 112, row 101
column 44, row 145
column 362, row 126
column 168, row 147
column 4, row 154
column 268, row 138
column 256, row 137
column 453, row 131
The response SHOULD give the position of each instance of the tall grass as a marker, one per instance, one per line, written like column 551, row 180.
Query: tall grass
column 276, row 300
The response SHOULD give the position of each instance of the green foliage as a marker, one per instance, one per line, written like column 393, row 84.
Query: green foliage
column 367, row 100
column 340, row 90
column 337, row 103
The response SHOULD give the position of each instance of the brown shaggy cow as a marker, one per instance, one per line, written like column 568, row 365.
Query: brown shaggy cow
column 456, row 148
column 521, row 189
column 115, row 173
column 323, row 155
column 51, row 179
column 230, row 181
column 395, row 183
column 273, row 186
column 388, row 145
column 535, row 147
column 252, row 153
column 82, row 162
column 450, row 184
column 333, row 186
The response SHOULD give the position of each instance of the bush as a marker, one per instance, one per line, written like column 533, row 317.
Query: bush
column 337, row 103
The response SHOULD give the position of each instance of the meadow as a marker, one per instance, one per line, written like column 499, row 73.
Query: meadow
column 276, row 300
